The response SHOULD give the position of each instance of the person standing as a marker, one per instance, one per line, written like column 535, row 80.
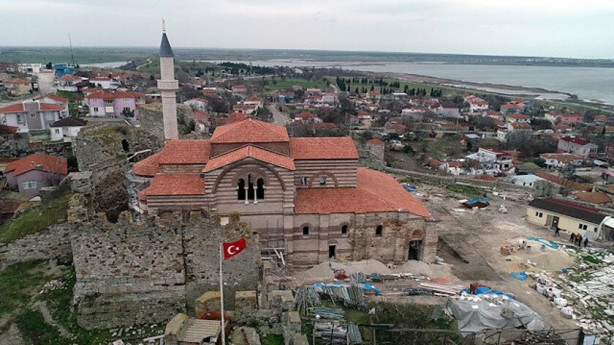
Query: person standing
column 585, row 242
column 557, row 231
column 579, row 237
column 572, row 238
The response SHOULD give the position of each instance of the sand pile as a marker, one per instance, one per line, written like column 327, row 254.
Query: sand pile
column 323, row 271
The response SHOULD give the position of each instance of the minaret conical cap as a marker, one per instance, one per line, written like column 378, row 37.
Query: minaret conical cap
column 165, row 47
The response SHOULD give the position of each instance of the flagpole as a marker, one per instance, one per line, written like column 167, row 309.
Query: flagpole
column 222, row 295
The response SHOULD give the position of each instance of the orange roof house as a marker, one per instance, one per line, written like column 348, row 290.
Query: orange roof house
column 300, row 188
column 29, row 174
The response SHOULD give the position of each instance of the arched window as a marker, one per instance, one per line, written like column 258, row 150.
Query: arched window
column 305, row 231
column 241, row 189
column 379, row 230
column 344, row 229
column 260, row 189
column 250, row 187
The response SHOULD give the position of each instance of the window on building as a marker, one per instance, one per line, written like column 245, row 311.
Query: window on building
column 304, row 180
column 539, row 214
column 344, row 229
column 379, row 230
column 260, row 189
column 96, row 109
column 33, row 115
column 29, row 185
column 323, row 180
column 57, row 131
column 241, row 189
column 21, row 119
column 305, row 231
column 49, row 117
column 582, row 226
column 250, row 187
column 595, row 229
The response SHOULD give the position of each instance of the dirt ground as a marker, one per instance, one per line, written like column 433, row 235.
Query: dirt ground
column 470, row 244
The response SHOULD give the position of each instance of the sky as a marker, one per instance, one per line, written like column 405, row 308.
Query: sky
column 559, row 28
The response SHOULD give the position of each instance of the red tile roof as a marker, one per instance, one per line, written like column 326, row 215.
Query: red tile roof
column 9, row 206
column 510, row 106
column 375, row 141
column 562, row 157
column 18, row 108
column 185, row 152
column 176, row 184
column 564, row 182
column 520, row 125
column 517, row 116
column 16, row 81
column 4, row 129
column 250, row 152
column 249, row 131
column 323, row 148
column 593, row 197
column 54, row 97
column 305, row 116
column 111, row 95
column 52, row 164
column 375, row 192
column 68, row 78
column 578, row 141
column 148, row 167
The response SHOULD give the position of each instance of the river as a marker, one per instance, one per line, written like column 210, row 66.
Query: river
column 589, row 83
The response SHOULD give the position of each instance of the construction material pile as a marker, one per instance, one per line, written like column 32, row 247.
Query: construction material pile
column 351, row 295
column 585, row 293
column 476, row 313
column 330, row 326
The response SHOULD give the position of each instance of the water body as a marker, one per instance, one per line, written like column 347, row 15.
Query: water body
column 113, row 64
column 588, row 83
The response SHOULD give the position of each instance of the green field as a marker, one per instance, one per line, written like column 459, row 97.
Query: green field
column 279, row 84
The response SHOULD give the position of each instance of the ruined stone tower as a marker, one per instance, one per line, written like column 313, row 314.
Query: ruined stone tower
column 168, row 88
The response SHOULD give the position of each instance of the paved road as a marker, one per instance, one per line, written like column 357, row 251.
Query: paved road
column 45, row 83
column 278, row 117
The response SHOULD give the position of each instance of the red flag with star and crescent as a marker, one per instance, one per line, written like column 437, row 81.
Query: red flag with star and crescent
column 233, row 248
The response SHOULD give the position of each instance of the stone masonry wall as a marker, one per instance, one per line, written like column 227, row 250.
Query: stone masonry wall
column 51, row 243
column 145, row 273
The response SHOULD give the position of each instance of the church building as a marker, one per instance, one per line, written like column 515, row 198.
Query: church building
column 309, row 194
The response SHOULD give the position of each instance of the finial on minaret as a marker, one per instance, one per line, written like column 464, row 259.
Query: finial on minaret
column 163, row 25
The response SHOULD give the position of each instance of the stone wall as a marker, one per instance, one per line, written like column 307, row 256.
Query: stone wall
column 51, row 243
column 146, row 273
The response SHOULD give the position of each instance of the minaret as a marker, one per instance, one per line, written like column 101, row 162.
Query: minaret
column 168, row 88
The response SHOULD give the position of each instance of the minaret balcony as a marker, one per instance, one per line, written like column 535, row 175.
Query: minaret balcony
column 170, row 85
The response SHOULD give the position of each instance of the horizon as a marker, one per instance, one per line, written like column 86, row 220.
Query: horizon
column 548, row 28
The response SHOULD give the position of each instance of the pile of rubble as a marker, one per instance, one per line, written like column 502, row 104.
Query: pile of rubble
column 584, row 293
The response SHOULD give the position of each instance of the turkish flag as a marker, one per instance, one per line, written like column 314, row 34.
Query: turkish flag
column 233, row 248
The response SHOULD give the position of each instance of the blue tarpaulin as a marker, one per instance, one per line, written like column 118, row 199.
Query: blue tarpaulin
column 519, row 275
column 547, row 243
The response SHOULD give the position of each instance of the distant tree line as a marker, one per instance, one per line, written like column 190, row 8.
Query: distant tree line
column 236, row 68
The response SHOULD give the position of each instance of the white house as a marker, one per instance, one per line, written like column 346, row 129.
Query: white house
column 525, row 180
column 197, row 104
column 107, row 83
column 66, row 129
column 69, row 83
column 492, row 160
column 30, row 115
column 561, row 160
column 449, row 110
column 29, row 68
column 476, row 104
column 55, row 99
column 578, row 146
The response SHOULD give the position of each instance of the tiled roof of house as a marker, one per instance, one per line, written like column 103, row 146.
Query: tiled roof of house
column 9, row 206
column 52, row 164
column 176, row 184
column 18, row 108
column 569, row 209
column 54, row 97
column 249, row 131
column 4, row 129
column 517, row 116
column 578, row 141
column 375, row 141
column 148, row 167
column 593, row 197
column 520, row 125
column 250, row 152
column 185, row 152
column 564, row 182
column 562, row 157
column 201, row 116
column 108, row 95
column 375, row 192
column 511, row 106
column 305, row 116
column 323, row 148
column 69, row 122
column 16, row 81
column 69, row 78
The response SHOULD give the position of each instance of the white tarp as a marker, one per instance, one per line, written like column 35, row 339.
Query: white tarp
column 477, row 313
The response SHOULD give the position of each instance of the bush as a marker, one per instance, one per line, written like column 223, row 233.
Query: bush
column 35, row 219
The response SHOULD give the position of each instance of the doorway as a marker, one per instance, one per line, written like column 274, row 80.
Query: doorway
column 415, row 249
column 332, row 251
column 554, row 223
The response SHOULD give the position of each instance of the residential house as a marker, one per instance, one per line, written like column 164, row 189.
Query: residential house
column 495, row 115
column 565, row 183
column 395, row 128
column 114, row 103
column 513, row 118
column 30, row 115
column 450, row 111
column 510, row 127
column 232, row 118
column 476, row 104
column 329, row 98
column 203, row 123
column 307, row 118
column 253, row 100
column 525, row 180
column 577, row 146
column 508, row 109
column 18, row 87
column 568, row 216
column 197, row 103
column 239, row 90
column 69, row 83
column 106, row 82
column 29, row 68
column 561, row 160
column 62, row 69
column 564, row 119
column 492, row 161
column 55, row 99
column 313, row 91
column 31, row 173
column 596, row 198
column 66, row 129
column 244, row 108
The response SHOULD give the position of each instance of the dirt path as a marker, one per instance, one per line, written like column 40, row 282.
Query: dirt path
column 42, row 306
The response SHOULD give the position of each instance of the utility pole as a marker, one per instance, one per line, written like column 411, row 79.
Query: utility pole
column 72, row 54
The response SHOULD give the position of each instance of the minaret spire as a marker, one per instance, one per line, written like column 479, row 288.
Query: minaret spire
column 168, row 87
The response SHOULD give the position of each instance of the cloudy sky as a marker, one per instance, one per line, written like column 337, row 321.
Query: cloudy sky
column 565, row 28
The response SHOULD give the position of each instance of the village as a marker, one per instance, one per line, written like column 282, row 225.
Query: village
column 376, row 210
